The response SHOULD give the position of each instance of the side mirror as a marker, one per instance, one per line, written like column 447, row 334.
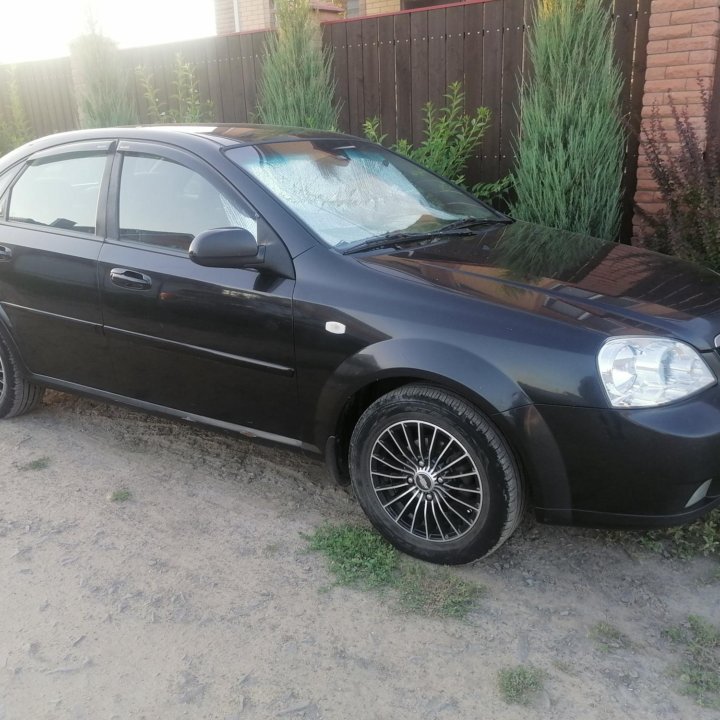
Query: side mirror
column 227, row 248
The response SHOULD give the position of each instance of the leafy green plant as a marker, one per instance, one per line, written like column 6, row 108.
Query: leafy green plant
column 688, row 178
column 122, row 495
column 520, row 684
column 571, row 143
column 297, row 87
column 358, row 556
column 450, row 136
column 104, row 82
column 14, row 125
column 608, row 637
column 699, row 538
column 37, row 464
column 699, row 672
column 187, row 105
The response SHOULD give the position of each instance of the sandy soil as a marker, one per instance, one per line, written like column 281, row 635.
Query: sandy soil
column 197, row 597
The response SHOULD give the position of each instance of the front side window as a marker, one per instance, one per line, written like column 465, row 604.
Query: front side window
column 349, row 193
column 61, row 193
column 165, row 204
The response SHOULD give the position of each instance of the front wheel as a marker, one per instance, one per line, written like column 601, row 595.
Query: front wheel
column 17, row 395
column 434, row 477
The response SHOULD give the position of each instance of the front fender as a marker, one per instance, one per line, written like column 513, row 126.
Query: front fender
column 456, row 369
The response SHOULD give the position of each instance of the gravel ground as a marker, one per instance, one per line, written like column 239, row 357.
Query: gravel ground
column 197, row 597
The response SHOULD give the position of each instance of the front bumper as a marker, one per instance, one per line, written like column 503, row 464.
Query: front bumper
column 609, row 467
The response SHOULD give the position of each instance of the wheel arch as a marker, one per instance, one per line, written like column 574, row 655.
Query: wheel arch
column 384, row 367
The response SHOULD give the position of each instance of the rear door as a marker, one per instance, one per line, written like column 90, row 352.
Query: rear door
column 210, row 342
column 51, row 228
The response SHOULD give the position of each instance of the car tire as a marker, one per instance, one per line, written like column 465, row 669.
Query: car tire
column 17, row 395
column 434, row 476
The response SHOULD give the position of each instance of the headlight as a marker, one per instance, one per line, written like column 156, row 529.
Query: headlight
column 649, row 371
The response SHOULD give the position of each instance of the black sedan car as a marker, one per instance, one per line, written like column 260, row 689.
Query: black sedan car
column 319, row 291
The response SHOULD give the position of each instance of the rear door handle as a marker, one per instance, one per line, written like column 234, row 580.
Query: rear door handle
column 130, row 279
column 5, row 253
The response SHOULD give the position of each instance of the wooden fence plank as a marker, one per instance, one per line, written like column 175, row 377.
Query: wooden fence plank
column 454, row 42
column 418, row 72
column 437, row 85
column 474, row 18
column 386, row 62
column 371, row 69
column 403, row 75
column 338, row 42
column 492, row 88
column 513, row 48
column 356, row 95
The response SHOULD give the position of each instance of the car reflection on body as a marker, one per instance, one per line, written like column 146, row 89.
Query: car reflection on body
column 316, row 290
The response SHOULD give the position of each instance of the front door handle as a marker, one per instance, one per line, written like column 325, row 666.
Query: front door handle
column 5, row 254
column 130, row 279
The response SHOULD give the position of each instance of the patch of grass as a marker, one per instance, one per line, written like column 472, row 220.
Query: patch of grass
column 37, row 464
column 357, row 555
column 360, row 557
column 608, row 637
column 436, row 591
column 520, row 685
column 699, row 672
column 120, row 495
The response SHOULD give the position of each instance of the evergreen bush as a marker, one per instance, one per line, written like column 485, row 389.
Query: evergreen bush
column 297, row 87
column 571, row 144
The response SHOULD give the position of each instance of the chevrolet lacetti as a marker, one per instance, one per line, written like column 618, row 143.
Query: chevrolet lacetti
column 316, row 290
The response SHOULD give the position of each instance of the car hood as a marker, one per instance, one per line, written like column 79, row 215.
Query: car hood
column 612, row 288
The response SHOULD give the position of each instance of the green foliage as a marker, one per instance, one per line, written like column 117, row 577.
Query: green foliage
column 699, row 672
column 450, row 136
column 120, row 495
column 436, row 591
column 608, row 637
column 360, row 557
column 14, row 125
column 699, row 538
column 571, row 144
column 498, row 190
column 37, row 464
column 297, row 87
column 187, row 105
column 105, row 84
column 520, row 684
column 688, row 178
column 357, row 555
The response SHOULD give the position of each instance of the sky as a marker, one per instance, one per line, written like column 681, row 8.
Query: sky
column 40, row 29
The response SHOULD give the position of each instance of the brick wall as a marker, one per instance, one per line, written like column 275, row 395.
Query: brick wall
column 682, row 47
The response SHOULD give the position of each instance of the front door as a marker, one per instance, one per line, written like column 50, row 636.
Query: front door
column 211, row 342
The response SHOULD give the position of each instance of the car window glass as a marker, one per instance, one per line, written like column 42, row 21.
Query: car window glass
column 166, row 204
column 60, row 193
column 5, row 181
column 347, row 193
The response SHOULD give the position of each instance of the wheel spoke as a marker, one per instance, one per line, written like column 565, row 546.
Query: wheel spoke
column 401, row 495
column 394, row 467
column 396, row 458
column 392, row 477
column 417, row 507
column 467, row 490
column 407, row 504
column 437, row 524
column 441, row 498
column 444, row 450
column 461, row 475
column 402, row 452
column 380, row 488
column 457, row 500
column 407, row 440
column 450, row 522
column 454, row 462
column 427, row 532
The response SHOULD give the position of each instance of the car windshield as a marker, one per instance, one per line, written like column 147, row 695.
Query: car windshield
column 349, row 192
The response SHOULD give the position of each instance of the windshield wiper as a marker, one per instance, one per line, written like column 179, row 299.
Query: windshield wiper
column 461, row 226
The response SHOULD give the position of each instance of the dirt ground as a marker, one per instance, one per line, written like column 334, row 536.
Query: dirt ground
column 197, row 598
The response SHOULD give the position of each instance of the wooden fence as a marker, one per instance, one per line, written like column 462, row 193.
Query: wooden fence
column 386, row 66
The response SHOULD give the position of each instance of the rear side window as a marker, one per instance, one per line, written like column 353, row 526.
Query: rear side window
column 60, row 193
column 166, row 204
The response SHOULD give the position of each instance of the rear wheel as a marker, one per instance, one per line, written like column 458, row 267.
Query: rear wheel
column 17, row 395
column 434, row 477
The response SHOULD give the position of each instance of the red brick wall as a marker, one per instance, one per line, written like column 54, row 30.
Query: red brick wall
column 682, row 47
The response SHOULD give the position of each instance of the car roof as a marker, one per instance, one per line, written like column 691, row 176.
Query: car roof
column 223, row 135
